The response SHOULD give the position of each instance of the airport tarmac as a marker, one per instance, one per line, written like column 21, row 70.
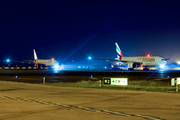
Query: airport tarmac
column 36, row 76
column 24, row 101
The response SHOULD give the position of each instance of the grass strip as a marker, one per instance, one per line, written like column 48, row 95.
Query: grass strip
column 153, row 86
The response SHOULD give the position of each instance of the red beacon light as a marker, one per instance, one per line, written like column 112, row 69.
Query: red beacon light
column 148, row 55
column 52, row 58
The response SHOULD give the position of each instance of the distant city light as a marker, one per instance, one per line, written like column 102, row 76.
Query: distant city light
column 91, row 76
column 16, row 76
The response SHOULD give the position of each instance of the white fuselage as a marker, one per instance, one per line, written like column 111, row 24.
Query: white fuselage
column 47, row 62
column 146, row 61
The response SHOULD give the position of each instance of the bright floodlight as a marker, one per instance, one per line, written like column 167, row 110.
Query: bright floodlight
column 56, row 67
column 89, row 57
column 8, row 60
column 162, row 66
column 178, row 62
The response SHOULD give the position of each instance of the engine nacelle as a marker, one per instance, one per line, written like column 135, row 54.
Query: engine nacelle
column 132, row 65
column 39, row 65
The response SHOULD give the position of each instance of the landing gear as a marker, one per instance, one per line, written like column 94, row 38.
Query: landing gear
column 40, row 66
column 131, row 66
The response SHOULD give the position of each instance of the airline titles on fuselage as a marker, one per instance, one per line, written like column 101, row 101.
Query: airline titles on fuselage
column 146, row 59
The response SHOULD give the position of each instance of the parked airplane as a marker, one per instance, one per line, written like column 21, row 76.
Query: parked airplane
column 45, row 62
column 135, row 61
column 38, row 62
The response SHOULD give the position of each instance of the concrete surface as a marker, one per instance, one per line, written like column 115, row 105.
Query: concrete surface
column 23, row 101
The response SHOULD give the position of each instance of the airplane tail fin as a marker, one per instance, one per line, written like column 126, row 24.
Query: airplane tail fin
column 35, row 56
column 119, row 53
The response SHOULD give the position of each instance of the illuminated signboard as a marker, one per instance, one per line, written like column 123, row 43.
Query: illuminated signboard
column 119, row 81
column 177, row 81
column 107, row 80
column 115, row 81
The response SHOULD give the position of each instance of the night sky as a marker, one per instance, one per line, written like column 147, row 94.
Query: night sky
column 72, row 30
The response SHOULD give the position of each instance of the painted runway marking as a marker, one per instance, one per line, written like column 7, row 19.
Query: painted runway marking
column 148, row 117
column 90, row 109
column 64, row 105
column 117, row 113
column 28, row 100
column 14, row 98
column 43, row 102
column 3, row 97
column 86, row 108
